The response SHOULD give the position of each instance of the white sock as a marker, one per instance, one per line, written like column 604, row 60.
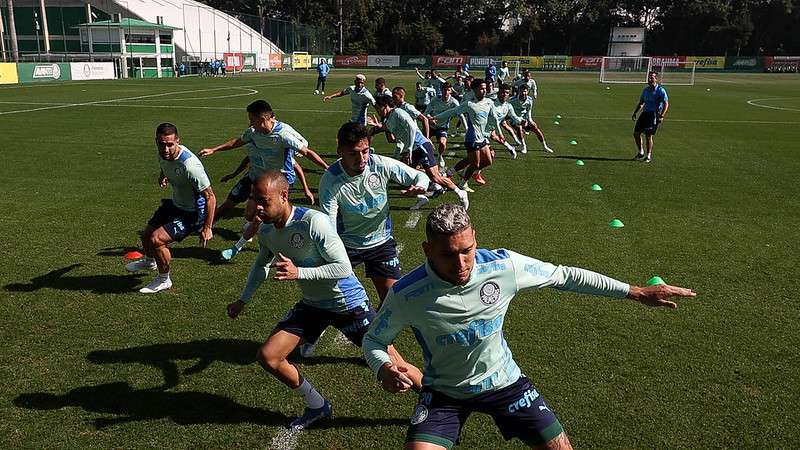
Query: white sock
column 241, row 243
column 312, row 397
column 508, row 146
column 516, row 139
column 544, row 143
column 149, row 260
column 163, row 276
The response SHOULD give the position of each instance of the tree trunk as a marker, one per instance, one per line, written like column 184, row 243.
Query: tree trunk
column 12, row 31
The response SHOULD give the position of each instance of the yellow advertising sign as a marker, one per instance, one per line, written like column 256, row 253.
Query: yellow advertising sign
column 707, row 62
column 533, row 62
column 8, row 73
column 301, row 61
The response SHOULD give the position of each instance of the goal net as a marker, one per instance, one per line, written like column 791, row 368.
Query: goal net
column 625, row 69
column 680, row 73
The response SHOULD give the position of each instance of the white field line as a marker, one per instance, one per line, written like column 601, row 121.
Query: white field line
column 413, row 219
column 286, row 439
column 752, row 102
column 400, row 248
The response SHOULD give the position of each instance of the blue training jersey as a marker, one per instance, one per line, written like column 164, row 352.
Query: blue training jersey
column 654, row 98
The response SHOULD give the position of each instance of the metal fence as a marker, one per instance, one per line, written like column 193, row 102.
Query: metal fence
column 291, row 36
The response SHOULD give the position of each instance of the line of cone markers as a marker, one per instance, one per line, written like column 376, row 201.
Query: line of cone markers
column 615, row 223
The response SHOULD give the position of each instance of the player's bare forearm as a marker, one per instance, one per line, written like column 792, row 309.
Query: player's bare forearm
column 425, row 125
column 228, row 145
column 314, row 157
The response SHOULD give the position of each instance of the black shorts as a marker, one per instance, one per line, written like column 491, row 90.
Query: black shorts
column 379, row 261
column 240, row 192
column 475, row 146
column 439, row 132
column 647, row 123
column 425, row 156
column 309, row 322
column 176, row 222
column 518, row 410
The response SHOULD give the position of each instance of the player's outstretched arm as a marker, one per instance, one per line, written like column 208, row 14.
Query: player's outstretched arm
column 334, row 95
column 659, row 295
column 313, row 157
column 302, row 176
column 233, row 143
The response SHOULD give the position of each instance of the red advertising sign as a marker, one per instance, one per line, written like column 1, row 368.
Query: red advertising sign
column 782, row 63
column 449, row 61
column 587, row 62
column 667, row 61
column 350, row 61
column 233, row 61
column 275, row 61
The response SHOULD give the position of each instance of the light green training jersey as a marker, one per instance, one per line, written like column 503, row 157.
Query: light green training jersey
column 188, row 178
column 479, row 115
column 460, row 328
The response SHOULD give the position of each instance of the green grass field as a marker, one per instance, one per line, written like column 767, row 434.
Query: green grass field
column 87, row 362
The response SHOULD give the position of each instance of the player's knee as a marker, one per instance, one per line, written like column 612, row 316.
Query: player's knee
column 269, row 359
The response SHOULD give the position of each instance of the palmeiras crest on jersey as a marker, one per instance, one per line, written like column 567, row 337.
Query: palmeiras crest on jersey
column 420, row 414
column 179, row 171
column 374, row 181
column 490, row 293
column 296, row 240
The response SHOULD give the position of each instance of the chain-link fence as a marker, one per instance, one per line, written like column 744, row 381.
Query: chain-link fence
column 291, row 36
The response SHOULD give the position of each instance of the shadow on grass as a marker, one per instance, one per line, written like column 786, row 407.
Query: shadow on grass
column 585, row 158
column 97, row 284
column 206, row 254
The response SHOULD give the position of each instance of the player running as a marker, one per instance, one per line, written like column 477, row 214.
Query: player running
column 656, row 103
column 360, row 98
column 190, row 209
column 381, row 89
column 271, row 145
column 399, row 126
column 423, row 96
column 456, row 304
column 523, row 106
column 503, row 110
column 301, row 244
column 439, row 131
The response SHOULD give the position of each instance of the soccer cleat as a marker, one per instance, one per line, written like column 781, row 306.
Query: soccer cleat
column 462, row 195
column 639, row 155
column 141, row 264
column 421, row 201
column 648, row 159
column 312, row 415
column 524, row 149
column 229, row 253
column 478, row 178
column 158, row 284
column 547, row 149
column 466, row 188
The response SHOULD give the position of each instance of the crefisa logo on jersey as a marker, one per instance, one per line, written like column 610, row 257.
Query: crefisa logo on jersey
column 296, row 240
column 373, row 181
column 490, row 293
column 420, row 414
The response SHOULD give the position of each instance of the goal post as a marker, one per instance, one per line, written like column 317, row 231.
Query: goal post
column 675, row 73
column 625, row 69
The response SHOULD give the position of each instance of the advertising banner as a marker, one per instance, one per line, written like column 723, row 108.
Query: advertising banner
column 744, row 63
column 350, row 61
column 249, row 61
column 529, row 62
column 37, row 72
column 275, row 61
column 316, row 59
column 286, row 60
column 449, row 61
column 667, row 61
column 707, row 62
column 782, row 63
column 8, row 73
column 421, row 61
column 383, row 60
column 262, row 61
column 557, row 62
column 587, row 62
column 483, row 61
column 92, row 71
column 233, row 61
column 301, row 61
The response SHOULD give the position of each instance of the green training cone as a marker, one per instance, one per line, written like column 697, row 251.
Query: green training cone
column 655, row 280
column 616, row 223
column 573, row 142
column 556, row 122
column 579, row 163
column 596, row 187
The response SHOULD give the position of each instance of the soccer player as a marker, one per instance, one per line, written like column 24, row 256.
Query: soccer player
column 502, row 74
column 523, row 106
column 479, row 113
column 456, row 304
column 271, row 144
column 423, row 96
column 301, row 244
column 354, row 193
column 190, row 209
column 381, row 89
column 503, row 110
column 431, row 79
column 322, row 76
column 399, row 101
column 527, row 79
column 360, row 98
column 437, row 106
column 399, row 126
column 490, row 73
column 656, row 103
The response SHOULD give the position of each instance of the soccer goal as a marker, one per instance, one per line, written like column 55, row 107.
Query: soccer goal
column 675, row 73
column 624, row 69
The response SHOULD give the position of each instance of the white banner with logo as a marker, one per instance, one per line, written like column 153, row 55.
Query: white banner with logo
column 383, row 60
column 92, row 70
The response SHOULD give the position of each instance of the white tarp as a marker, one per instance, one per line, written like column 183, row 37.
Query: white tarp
column 383, row 60
column 92, row 70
